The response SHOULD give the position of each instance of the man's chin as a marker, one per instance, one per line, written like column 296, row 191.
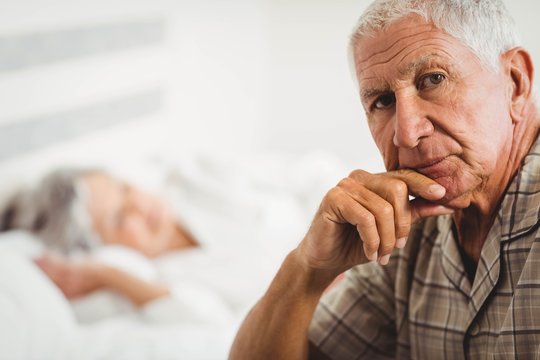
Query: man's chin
column 455, row 200
column 458, row 192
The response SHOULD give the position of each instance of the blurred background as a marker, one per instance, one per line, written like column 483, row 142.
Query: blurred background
column 83, row 81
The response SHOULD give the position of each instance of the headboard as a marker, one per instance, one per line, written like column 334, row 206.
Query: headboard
column 78, row 93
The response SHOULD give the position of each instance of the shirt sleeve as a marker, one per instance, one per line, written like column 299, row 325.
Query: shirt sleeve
column 356, row 319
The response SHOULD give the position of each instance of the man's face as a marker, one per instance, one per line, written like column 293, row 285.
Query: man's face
column 432, row 107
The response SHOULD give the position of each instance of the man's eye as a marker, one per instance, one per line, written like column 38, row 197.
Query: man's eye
column 385, row 101
column 430, row 81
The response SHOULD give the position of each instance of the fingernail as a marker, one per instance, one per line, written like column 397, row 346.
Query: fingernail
column 436, row 190
column 400, row 243
column 384, row 259
column 373, row 256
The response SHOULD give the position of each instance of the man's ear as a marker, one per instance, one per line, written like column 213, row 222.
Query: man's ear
column 520, row 69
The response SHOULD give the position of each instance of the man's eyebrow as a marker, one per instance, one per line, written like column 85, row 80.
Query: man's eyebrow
column 412, row 67
column 373, row 92
column 421, row 62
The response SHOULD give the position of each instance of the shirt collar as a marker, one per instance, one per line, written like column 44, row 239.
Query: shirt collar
column 519, row 212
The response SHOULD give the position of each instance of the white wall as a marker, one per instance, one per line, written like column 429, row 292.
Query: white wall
column 217, row 74
column 268, row 75
column 313, row 102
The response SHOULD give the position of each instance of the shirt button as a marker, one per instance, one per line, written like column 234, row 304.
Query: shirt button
column 475, row 329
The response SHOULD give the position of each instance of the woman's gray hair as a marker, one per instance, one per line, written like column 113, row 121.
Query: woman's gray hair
column 485, row 26
column 55, row 210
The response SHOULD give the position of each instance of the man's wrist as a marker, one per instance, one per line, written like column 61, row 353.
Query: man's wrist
column 315, row 280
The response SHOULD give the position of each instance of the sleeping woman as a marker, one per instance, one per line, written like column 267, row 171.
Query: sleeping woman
column 77, row 211
column 202, row 251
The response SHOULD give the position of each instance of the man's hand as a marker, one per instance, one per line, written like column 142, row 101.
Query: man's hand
column 366, row 216
column 363, row 218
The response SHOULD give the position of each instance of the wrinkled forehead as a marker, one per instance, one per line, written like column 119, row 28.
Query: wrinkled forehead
column 404, row 46
column 381, row 39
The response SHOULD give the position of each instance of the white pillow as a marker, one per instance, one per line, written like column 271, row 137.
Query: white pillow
column 22, row 242
column 36, row 321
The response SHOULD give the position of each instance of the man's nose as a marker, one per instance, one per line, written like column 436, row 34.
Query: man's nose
column 410, row 121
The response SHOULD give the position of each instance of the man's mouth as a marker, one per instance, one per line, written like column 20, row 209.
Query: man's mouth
column 428, row 163
column 433, row 168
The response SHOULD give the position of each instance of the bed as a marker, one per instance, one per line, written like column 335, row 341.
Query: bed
column 256, row 209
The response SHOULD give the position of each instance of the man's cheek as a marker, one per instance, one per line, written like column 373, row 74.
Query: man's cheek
column 460, row 186
column 391, row 158
column 388, row 151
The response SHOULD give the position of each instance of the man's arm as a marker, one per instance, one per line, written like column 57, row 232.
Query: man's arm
column 362, row 219
column 276, row 326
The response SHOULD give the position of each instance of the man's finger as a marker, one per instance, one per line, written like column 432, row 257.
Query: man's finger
column 396, row 192
column 344, row 209
column 382, row 211
column 419, row 185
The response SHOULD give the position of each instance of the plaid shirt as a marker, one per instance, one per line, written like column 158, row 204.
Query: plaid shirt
column 423, row 306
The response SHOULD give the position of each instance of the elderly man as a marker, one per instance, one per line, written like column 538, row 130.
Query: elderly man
column 455, row 272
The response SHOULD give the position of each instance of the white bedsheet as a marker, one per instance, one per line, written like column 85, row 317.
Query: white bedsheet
column 247, row 213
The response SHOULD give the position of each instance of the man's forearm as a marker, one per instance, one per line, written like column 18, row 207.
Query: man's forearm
column 277, row 327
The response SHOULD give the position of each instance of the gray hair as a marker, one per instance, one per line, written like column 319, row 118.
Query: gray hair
column 485, row 26
column 55, row 210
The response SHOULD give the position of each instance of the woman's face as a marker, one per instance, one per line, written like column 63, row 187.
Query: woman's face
column 125, row 215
